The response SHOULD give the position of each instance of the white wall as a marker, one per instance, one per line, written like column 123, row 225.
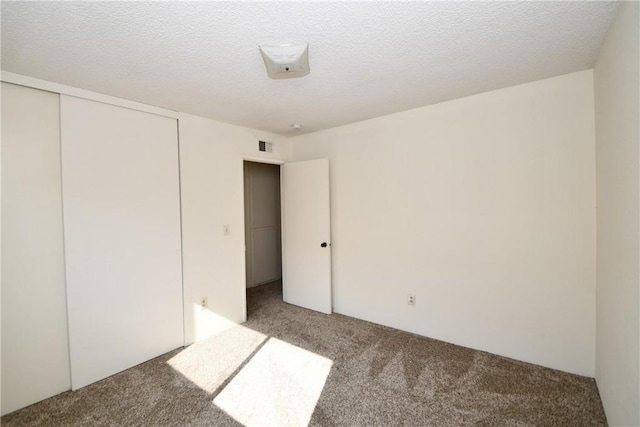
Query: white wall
column 484, row 207
column 211, row 171
column 617, row 90
column 35, row 355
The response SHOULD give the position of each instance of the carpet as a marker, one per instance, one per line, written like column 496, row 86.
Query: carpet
column 291, row 366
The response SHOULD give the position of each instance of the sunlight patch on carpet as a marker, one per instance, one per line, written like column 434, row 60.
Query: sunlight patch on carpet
column 207, row 323
column 209, row 363
column 280, row 386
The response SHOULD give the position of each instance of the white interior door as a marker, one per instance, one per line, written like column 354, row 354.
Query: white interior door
column 122, row 237
column 306, row 233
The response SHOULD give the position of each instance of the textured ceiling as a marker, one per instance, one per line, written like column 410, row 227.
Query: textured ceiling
column 367, row 58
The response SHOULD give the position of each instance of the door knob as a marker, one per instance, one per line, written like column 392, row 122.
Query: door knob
column 323, row 244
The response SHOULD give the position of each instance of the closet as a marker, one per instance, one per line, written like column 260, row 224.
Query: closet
column 91, row 246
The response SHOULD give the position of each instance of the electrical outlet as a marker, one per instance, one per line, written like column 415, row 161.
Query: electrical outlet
column 411, row 299
column 204, row 302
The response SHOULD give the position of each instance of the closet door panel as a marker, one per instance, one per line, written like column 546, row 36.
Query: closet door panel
column 122, row 237
column 35, row 344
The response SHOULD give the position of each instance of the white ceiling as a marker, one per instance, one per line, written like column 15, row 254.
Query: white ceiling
column 367, row 58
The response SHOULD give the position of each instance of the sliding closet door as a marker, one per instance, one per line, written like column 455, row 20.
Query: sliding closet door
column 122, row 237
column 35, row 345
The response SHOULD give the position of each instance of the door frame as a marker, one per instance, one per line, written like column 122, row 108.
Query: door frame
column 268, row 161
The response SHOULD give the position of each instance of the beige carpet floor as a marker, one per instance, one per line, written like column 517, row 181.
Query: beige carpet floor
column 288, row 365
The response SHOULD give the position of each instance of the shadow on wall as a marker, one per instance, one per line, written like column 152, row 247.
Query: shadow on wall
column 254, row 378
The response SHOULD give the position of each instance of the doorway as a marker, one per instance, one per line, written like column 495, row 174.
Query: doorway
column 263, row 243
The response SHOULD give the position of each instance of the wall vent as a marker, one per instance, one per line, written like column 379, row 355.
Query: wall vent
column 265, row 146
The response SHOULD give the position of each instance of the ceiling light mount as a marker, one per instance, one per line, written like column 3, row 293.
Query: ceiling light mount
column 296, row 126
column 286, row 60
